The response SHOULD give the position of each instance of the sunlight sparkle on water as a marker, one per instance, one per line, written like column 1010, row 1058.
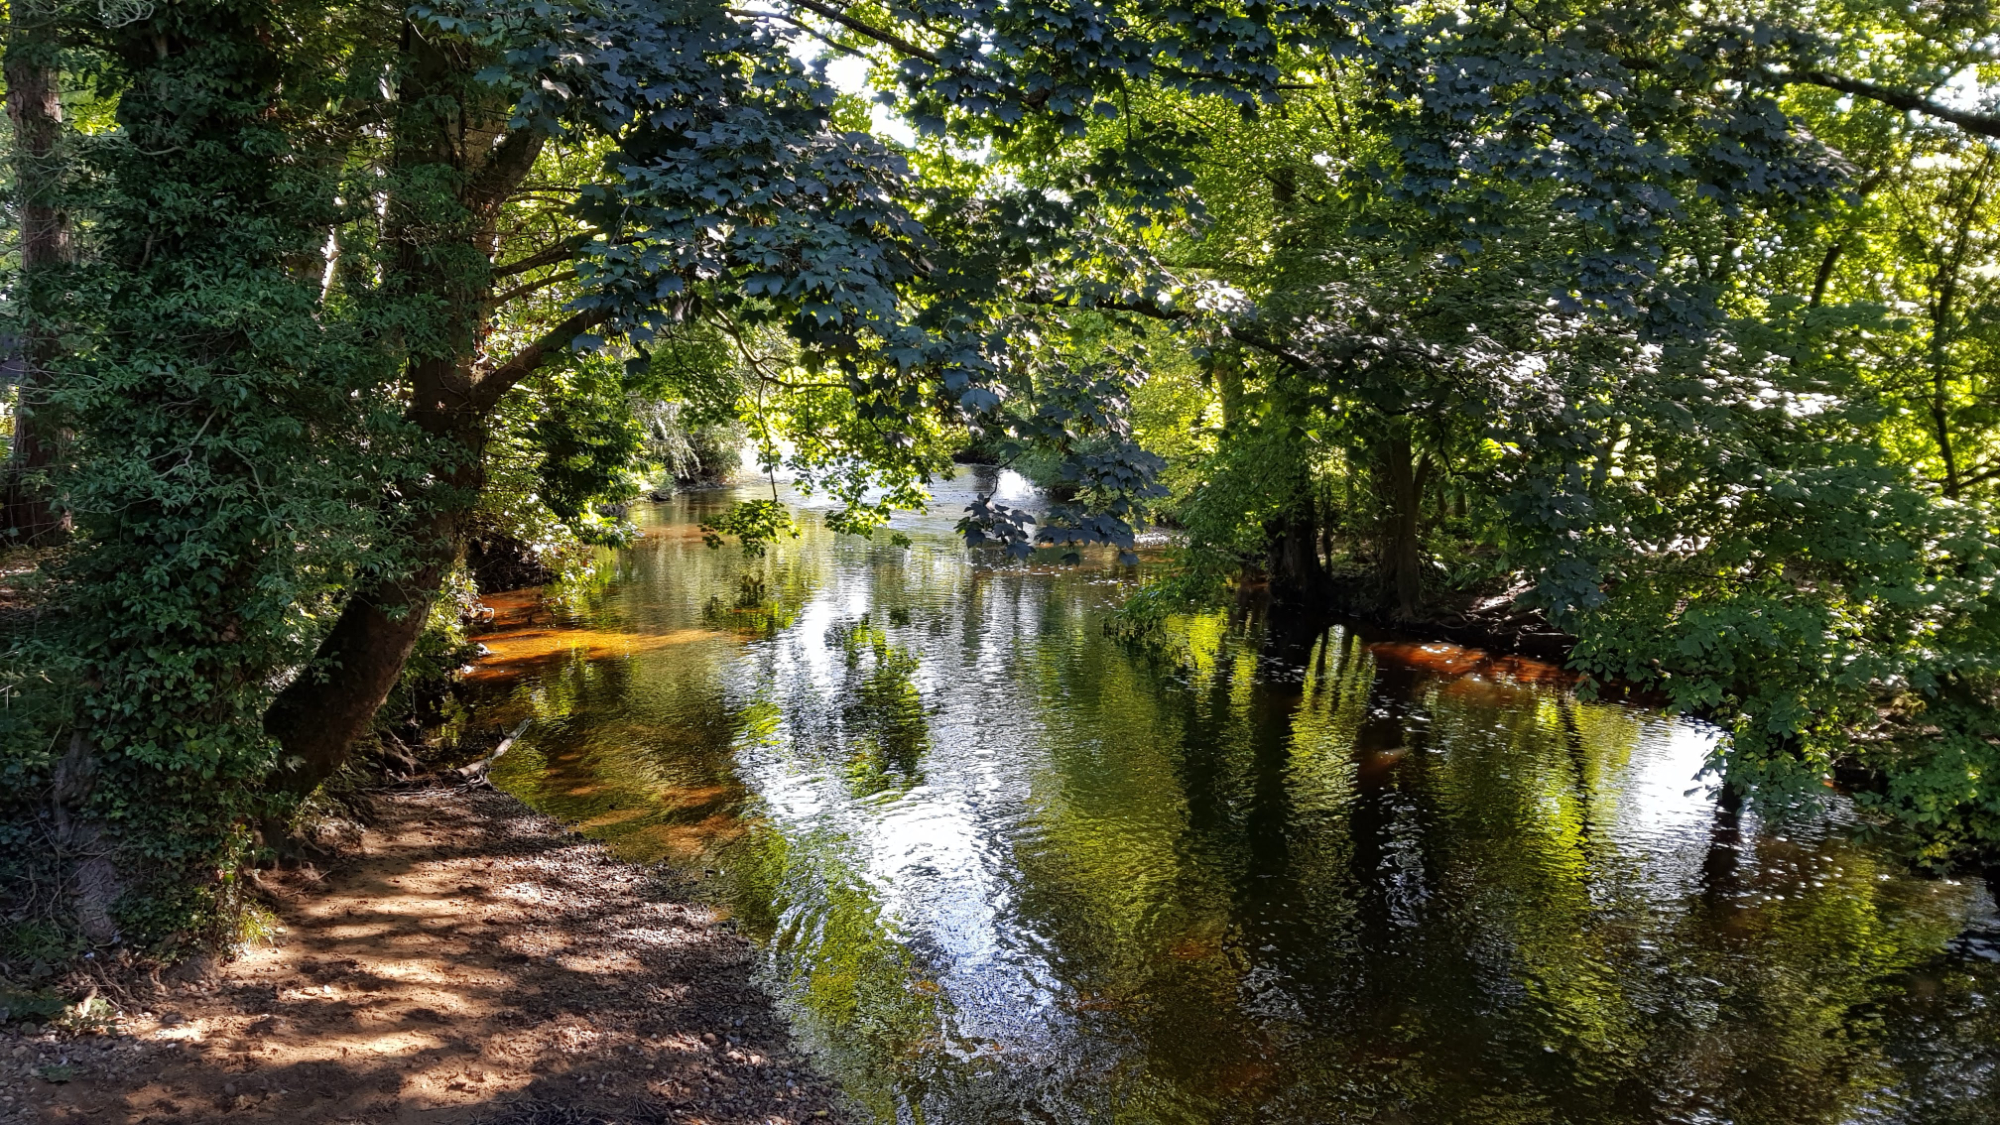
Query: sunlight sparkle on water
column 1005, row 867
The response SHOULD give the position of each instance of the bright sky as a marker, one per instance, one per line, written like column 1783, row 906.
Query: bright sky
column 849, row 75
column 1965, row 91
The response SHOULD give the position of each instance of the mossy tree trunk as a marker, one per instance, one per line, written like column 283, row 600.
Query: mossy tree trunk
column 449, row 132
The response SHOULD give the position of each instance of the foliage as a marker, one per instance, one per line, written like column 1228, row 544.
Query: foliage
column 1605, row 377
column 1583, row 294
column 587, row 441
column 229, row 444
column 755, row 523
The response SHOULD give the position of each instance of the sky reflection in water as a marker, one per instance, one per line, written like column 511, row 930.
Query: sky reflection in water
column 1010, row 869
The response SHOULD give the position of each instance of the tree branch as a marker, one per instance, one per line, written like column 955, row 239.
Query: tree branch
column 1982, row 124
column 528, row 287
column 1980, row 475
column 504, row 168
column 802, row 26
column 561, row 252
column 486, row 393
column 877, row 34
column 1242, row 334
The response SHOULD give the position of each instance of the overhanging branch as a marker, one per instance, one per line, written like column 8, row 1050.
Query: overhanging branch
column 486, row 393
column 1981, row 124
column 880, row 35
column 561, row 252
column 528, row 287
column 1033, row 101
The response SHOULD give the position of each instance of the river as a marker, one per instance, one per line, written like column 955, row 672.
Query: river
column 1009, row 868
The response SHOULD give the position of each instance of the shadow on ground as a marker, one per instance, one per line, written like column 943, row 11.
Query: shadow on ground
column 476, row 965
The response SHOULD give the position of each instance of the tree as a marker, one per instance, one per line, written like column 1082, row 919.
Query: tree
column 1643, row 351
column 324, row 244
column 309, row 225
column 34, row 108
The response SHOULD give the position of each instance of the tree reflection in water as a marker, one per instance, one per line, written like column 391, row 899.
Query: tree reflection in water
column 1009, row 868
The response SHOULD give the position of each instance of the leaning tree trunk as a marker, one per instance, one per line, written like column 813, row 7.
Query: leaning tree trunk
column 320, row 714
column 34, row 106
column 1402, row 554
column 449, row 131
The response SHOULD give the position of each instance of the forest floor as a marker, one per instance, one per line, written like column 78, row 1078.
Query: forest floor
column 471, row 964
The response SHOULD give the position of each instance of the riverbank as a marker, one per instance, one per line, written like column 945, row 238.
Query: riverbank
column 472, row 963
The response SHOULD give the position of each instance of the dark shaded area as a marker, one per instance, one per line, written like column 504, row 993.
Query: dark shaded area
column 501, row 562
column 1495, row 622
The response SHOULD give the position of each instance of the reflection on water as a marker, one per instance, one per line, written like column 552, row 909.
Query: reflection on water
column 1009, row 869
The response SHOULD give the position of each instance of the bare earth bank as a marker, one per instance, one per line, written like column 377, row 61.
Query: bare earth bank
column 474, row 964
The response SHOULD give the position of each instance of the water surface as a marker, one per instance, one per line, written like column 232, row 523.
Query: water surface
column 1009, row 868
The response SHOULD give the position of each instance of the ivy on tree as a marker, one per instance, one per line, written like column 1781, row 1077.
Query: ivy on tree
column 323, row 245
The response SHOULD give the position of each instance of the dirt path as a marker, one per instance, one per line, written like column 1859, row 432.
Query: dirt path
column 475, row 964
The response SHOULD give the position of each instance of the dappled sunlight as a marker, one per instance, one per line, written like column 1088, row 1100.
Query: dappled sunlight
column 649, row 818
column 686, row 843
column 464, row 975
column 526, row 631
column 512, row 650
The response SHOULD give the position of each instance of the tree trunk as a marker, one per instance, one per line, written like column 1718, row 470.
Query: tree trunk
column 1229, row 393
column 448, row 130
column 1292, row 559
column 1402, row 494
column 320, row 713
column 85, row 843
column 1944, row 326
column 1940, row 364
column 332, row 702
column 1824, row 276
column 34, row 106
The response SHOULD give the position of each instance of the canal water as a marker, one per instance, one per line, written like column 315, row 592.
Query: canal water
column 1008, row 867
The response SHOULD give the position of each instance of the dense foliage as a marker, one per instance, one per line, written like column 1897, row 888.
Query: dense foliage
column 1671, row 328
column 1636, row 389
